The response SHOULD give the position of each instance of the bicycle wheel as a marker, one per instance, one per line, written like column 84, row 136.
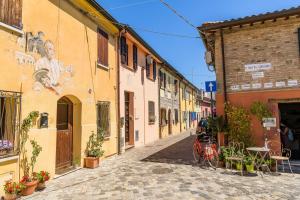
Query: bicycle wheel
column 214, row 159
column 196, row 152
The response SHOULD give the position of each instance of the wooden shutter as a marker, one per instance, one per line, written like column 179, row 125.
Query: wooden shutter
column 151, row 111
column 103, row 117
column 11, row 12
column 135, row 57
column 165, row 80
column 147, row 69
column 123, row 50
column 176, row 116
column 102, row 47
column 176, row 86
column 154, row 70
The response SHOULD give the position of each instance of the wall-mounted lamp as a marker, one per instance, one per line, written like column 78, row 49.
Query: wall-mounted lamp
column 44, row 120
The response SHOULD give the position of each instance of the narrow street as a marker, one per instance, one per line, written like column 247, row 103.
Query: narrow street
column 165, row 170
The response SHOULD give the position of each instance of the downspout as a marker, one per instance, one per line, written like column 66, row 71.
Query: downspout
column 118, row 92
column 223, row 66
column 159, row 106
column 179, row 110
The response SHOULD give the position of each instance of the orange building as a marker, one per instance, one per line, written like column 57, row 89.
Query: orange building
column 257, row 59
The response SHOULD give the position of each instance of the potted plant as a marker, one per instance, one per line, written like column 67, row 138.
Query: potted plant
column 249, row 162
column 29, row 180
column 42, row 177
column 12, row 190
column 224, row 153
column 94, row 149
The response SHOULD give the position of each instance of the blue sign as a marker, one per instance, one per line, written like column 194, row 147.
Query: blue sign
column 210, row 86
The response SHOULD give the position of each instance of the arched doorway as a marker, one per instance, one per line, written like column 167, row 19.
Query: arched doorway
column 68, row 138
column 170, row 121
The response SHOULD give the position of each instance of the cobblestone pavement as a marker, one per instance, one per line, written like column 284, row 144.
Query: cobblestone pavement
column 164, row 171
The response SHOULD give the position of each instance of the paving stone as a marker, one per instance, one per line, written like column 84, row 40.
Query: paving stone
column 130, row 176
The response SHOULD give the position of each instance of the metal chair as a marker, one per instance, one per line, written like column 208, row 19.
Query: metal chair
column 284, row 154
column 236, row 154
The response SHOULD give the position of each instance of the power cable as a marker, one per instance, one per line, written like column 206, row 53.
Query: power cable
column 131, row 5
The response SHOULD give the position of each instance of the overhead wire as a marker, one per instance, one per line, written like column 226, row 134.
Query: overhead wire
column 131, row 5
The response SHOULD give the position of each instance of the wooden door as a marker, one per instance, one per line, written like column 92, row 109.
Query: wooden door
column 64, row 140
column 170, row 121
column 129, row 118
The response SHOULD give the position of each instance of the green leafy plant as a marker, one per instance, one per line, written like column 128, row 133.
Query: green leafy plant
column 94, row 145
column 36, row 150
column 260, row 110
column 225, row 153
column 216, row 124
column 42, row 176
column 248, row 160
column 238, row 127
column 27, row 123
column 13, row 187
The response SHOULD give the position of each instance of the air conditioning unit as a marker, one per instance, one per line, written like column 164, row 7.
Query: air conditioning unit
column 149, row 60
column 208, row 57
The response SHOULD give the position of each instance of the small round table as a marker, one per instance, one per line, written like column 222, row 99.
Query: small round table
column 258, row 152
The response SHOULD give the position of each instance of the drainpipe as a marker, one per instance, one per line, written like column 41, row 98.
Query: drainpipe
column 223, row 65
column 159, row 106
column 179, row 110
column 118, row 91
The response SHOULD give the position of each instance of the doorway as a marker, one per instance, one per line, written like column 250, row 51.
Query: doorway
column 129, row 118
column 170, row 121
column 64, row 139
column 290, row 117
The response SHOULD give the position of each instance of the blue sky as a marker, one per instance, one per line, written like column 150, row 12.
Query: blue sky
column 186, row 55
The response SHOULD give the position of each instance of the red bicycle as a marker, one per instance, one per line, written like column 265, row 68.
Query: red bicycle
column 205, row 150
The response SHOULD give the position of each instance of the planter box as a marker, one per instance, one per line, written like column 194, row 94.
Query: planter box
column 250, row 168
column 91, row 162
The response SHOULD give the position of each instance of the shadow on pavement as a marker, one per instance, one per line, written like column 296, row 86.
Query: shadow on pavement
column 178, row 153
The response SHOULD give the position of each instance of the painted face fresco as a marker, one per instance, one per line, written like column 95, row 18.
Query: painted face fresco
column 49, row 49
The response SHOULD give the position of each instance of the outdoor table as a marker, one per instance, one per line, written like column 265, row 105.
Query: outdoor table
column 258, row 152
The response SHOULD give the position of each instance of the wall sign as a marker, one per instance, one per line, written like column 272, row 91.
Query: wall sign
column 292, row 83
column 280, row 84
column 257, row 67
column 269, row 122
column 235, row 87
column 256, row 85
column 268, row 85
column 246, row 87
column 258, row 75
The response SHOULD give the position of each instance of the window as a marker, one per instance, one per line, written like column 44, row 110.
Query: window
column 150, row 69
column 124, row 51
column 176, row 87
column 103, row 117
column 176, row 116
column 163, row 117
column 10, row 105
column 102, row 48
column 135, row 57
column 11, row 12
column 151, row 112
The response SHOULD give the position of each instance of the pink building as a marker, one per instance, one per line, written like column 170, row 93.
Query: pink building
column 139, row 105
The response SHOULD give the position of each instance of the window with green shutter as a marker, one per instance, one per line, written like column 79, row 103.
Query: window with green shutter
column 103, row 117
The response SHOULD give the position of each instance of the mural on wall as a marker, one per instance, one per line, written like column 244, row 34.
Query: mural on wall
column 49, row 72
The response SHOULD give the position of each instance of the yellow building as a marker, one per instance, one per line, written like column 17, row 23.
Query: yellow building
column 62, row 62
column 187, row 105
column 169, row 100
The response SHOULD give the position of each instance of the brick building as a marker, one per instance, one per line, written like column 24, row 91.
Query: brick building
column 257, row 59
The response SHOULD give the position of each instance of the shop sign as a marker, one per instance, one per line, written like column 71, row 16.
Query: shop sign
column 258, row 75
column 257, row 67
column 269, row 122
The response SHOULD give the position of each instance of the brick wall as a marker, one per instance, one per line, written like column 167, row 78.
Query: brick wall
column 275, row 43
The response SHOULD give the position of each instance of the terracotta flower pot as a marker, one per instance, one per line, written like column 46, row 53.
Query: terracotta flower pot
column 41, row 186
column 30, row 188
column 10, row 197
column 91, row 162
